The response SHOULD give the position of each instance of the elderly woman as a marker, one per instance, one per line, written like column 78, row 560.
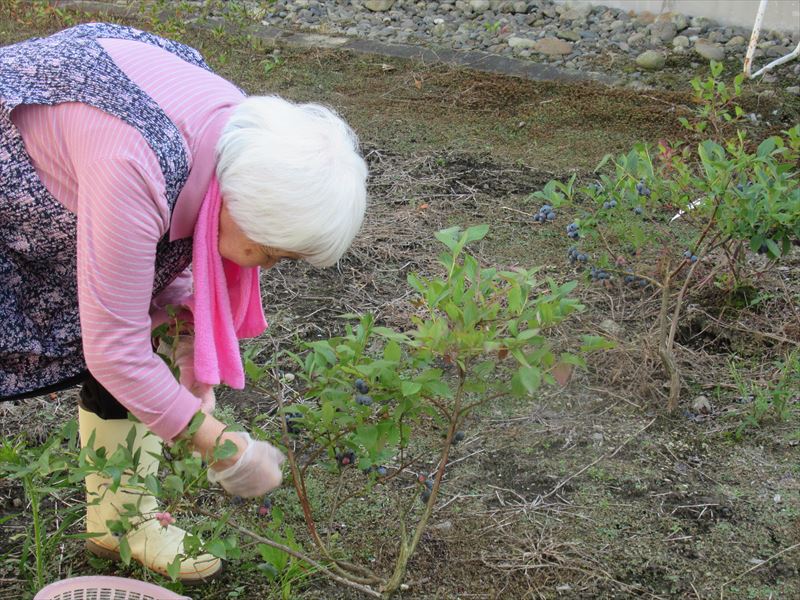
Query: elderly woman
column 123, row 159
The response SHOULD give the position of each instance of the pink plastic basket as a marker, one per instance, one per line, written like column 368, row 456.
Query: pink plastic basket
column 105, row 588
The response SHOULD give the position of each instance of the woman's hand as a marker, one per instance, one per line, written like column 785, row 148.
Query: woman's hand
column 254, row 470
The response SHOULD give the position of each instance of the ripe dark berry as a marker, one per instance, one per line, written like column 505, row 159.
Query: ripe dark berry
column 459, row 436
column 429, row 483
column 292, row 425
column 612, row 204
column 763, row 249
column 551, row 216
column 546, row 209
column 237, row 500
column 687, row 254
column 363, row 400
column 425, row 496
column 574, row 235
column 638, row 210
column 537, row 218
column 583, row 257
column 693, row 258
column 381, row 471
column 267, row 502
column 629, row 278
column 606, row 204
column 361, row 386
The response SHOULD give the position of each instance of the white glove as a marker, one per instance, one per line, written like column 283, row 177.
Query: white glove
column 257, row 471
column 184, row 359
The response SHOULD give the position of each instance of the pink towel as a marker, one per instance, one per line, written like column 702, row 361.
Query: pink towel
column 226, row 304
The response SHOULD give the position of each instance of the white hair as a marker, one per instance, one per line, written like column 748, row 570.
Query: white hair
column 292, row 177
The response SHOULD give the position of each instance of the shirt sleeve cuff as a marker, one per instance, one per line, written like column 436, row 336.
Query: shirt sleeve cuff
column 177, row 417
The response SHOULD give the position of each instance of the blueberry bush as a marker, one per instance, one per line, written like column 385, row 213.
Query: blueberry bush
column 385, row 408
column 675, row 218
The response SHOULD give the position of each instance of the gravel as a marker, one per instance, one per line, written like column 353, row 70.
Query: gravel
column 585, row 38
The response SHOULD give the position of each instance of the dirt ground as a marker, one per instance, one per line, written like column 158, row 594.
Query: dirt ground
column 591, row 491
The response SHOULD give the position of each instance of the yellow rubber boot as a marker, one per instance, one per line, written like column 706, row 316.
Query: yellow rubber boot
column 151, row 544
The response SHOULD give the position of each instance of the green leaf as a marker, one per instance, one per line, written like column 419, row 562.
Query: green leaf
column 592, row 343
column 766, row 147
column 124, row 550
column 217, row 548
column 449, row 237
column 225, row 450
column 530, row 378
column 409, row 388
column 774, row 250
column 174, row 484
column 153, row 485
column 174, row 568
column 392, row 352
column 476, row 232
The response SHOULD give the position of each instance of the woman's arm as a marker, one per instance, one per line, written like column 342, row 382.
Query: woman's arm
column 121, row 217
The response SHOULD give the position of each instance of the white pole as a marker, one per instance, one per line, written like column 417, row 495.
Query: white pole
column 751, row 48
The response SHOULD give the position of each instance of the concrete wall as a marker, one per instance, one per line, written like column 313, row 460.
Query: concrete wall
column 781, row 15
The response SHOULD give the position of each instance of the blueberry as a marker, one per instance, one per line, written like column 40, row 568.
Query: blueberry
column 458, row 437
column 574, row 235
column 572, row 250
column 639, row 187
column 693, row 258
column 292, row 426
column 361, row 386
column 612, row 204
column 629, row 278
column 642, row 283
column 381, row 471
column 546, row 209
column 537, row 218
column 267, row 502
column 572, row 227
column 606, row 204
column 638, row 210
column 425, row 496
column 687, row 254
column 429, row 483
column 237, row 500
column 363, row 400
column 551, row 216
column 740, row 187
column 583, row 257
column 763, row 249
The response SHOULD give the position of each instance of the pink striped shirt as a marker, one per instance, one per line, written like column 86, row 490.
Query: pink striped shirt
column 102, row 169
